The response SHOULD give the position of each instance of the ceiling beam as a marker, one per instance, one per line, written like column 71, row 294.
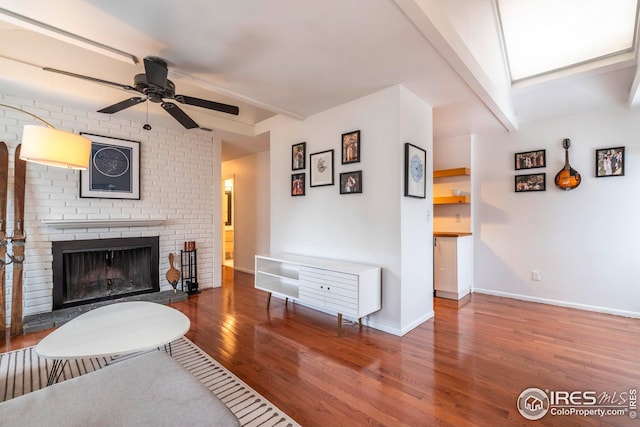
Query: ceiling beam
column 203, row 84
column 65, row 36
column 634, row 92
column 436, row 28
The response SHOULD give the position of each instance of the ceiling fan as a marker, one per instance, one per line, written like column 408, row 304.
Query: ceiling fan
column 155, row 87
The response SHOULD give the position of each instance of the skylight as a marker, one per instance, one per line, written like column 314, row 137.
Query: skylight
column 541, row 36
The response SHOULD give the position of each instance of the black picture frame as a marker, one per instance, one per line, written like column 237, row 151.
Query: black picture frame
column 415, row 171
column 351, row 182
column 530, row 182
column 298, row 156
column 114, row 169
column 609, row 162
column 530, row 160
column 351, row 147
column 321, row 168
column 298, row 184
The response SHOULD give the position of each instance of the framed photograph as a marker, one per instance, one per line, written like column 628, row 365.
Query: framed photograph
column 415, row 183
column 321, row 168
column 114, row 169
column 298, row 155
column 610, row 162
column 297, row 184
column 531, row 182
column 531, row 159
column 351, row 182
column 351, row 147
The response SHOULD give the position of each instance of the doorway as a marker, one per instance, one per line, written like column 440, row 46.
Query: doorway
column 227, row 222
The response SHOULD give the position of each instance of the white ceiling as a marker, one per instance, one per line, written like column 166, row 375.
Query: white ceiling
column 293, row 57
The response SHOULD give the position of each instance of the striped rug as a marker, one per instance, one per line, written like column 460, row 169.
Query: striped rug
column 22, row 371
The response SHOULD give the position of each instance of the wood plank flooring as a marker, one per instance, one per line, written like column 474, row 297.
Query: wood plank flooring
column 466, row 367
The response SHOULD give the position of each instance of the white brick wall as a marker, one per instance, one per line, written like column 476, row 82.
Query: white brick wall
column 178, row 182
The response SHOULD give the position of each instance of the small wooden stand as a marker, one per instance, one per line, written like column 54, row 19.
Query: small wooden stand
column 189, row 271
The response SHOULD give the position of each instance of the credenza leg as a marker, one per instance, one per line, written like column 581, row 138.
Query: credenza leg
column 268, row 300
column 360, row 324
column 339, row 324
column 286, row 302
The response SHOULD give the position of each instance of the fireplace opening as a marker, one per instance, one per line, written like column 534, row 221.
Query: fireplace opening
column 86, row 271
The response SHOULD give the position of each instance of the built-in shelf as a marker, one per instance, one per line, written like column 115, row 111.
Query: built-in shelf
column 102, row 223
column 451, row 200
column 451, row 172
column 451, row 233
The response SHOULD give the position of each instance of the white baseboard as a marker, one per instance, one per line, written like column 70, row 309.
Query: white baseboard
column 244, row 270
column 399, row 331
column 453, row 295
column 407, row 328
column 560, row 303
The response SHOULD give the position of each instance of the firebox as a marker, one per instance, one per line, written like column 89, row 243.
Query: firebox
column 86, row 271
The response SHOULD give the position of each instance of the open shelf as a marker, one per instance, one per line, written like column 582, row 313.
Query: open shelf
column 277, row 269
column 451, row 172
column 451, row 200
column 277, row 276
column 281, row 287
column 281, row 273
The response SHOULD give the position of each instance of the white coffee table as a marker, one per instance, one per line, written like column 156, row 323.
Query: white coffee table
column 114, row 329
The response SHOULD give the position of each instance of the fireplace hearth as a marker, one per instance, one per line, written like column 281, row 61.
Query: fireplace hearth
column 88, row 271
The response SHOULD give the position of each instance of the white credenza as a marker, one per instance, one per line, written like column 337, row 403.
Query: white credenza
column 343, row 288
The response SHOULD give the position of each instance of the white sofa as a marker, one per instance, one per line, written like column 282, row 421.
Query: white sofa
column 147, row 390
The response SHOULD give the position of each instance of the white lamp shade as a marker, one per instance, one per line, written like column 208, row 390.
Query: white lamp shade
column 54, row 147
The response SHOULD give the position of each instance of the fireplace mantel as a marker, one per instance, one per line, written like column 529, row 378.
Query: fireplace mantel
column 102, row 223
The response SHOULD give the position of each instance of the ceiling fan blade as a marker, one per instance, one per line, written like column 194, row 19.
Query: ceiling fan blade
column 91, row 79
column 156, row 70
column 122, row 105
column 211, row 105
column 179, row 115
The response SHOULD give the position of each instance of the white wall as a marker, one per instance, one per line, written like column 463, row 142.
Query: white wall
column 585, row 242
column 251, row 209
column 416, row 127
column 377, row 227
column 180, row 181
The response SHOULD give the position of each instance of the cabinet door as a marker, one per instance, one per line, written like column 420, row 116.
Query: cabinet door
column 342, row 292
column 312, row 287
column 331, row 290
column 445, row 264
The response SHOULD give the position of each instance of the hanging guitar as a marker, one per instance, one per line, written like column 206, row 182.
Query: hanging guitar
column 568, row 178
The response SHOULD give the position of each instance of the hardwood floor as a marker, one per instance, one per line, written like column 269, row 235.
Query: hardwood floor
column 466, row 367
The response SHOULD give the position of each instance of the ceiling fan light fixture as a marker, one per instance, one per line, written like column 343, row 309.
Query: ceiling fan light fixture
column 155, row 87
column 53, row 147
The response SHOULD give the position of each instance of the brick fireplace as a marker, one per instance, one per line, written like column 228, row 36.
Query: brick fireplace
column 89, row 271
column 173, row 164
